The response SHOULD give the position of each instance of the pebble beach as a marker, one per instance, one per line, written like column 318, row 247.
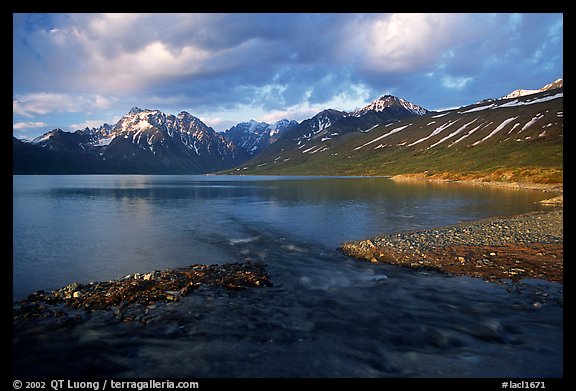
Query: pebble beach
column 515, row 247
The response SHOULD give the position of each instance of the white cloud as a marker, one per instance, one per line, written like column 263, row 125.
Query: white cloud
column 267, row 65
column 22, row 126
column 135, row 71
column 298, row 113
column 408, row 42
column 403, row 41
column 41, row 103
column 91, row 123
column 275, row 116
column 46, row 102
column 217, row 122
column 455, row 82
column 117, row 53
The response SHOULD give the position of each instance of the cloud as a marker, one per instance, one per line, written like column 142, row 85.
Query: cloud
column 401, row 43
column 124, row 54
column 217, row 123
column 91, row 123
column 45, row 102
column 275, row 116
column 272, row 63
column 23, row 126
column 152, row 64
column 455, row 82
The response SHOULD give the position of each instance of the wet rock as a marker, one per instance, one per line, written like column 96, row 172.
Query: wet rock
column 173, row 295
column 490, row 331
column 142, row 291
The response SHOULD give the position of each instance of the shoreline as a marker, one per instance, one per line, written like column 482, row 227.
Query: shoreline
column 515, row 247
column 492, row 261
column 545, row 187
column 134, row 295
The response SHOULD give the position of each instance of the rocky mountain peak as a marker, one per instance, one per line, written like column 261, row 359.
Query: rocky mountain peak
column 135, row 110
column 558, row 83
column 521, row 92
column 386, row 101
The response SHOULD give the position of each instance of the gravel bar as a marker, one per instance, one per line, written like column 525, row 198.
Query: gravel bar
column 139, row 292
column 517, row 247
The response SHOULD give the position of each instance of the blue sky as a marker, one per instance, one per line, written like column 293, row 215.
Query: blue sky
column 76, row 70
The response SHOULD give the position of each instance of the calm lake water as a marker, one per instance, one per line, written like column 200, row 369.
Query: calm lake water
column 326, row 315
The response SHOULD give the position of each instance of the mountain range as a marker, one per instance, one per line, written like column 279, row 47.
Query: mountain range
column 516, row 93
column 152, row 142
column 506, row 139
column 253, row 137
column 143, row 141
column 388, row 136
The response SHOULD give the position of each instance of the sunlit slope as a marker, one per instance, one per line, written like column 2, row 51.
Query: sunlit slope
column 519, row 139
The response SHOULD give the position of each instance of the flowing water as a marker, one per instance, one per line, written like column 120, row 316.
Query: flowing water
column 326, row 315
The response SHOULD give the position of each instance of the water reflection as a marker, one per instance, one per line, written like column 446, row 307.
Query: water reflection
column 101, row 227
column 327, row 315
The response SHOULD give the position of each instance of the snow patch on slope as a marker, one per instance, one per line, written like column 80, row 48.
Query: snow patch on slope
column 532, row 121
column 459, row 130
column 435, row 132
column 395, row 130
column 515, row 103
column 496, row 130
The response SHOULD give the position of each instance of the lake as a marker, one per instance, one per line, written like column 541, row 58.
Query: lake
column 327, row 315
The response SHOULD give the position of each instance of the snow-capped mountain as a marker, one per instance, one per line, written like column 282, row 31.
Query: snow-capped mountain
column 387, row 102
column 517, row 93
column 99, row 132
column 297, row 134
column 312, row 127
column 513, row 136
column 58, row 140
column 147, row 141
column 47, row 136
column 254, row 136
column 283, row 125
column 183, row 143
column 390, row 135
column 311, row 135
column 150, row 129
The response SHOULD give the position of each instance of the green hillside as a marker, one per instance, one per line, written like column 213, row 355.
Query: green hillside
column 519, row 140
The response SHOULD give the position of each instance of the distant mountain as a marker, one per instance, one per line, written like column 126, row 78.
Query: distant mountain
column 388, row 102
column 509, row 137
column 310, row 134
column 506, row 138
column 143, row 141
column 517, row 93
column 296, row 136
column 149, row 140
column 30, row 158
column 381, row 111
column 312, row 127
column 58, row 140
column 253, row 137
column 102, row 131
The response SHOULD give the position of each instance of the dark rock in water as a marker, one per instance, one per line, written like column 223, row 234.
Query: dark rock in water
column 141, row 289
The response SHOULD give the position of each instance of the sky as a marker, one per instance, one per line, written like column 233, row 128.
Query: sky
column 76, row 70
